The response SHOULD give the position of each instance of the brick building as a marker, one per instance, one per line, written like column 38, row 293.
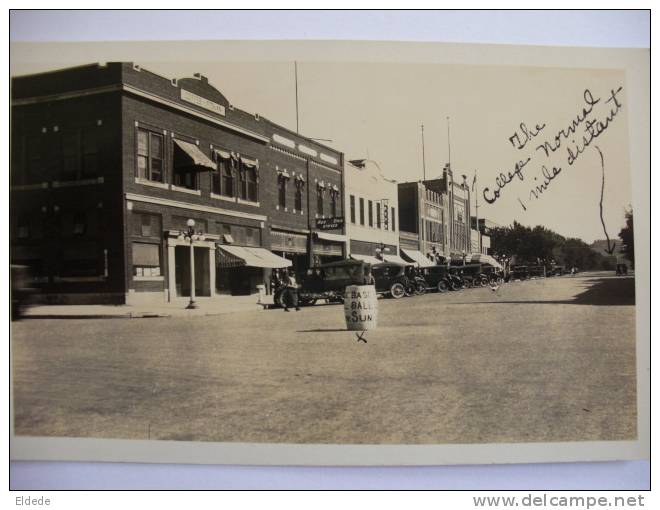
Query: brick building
column 434, row 219
column 110, row 161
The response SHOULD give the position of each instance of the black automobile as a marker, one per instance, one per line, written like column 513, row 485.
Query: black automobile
column 438, row 277
column 556, row 271
column 391, row 279
column 471, row 275
column 328, row 281
column 536, row 271
column 519, row 273
column 416, row 283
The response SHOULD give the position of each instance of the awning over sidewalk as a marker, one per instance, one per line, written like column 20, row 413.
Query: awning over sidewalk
column 189, row 155
column 237, row 256
column 331, row 237
column 397, row 259
column 480, row 258
column 417, row 257
column 366, row 258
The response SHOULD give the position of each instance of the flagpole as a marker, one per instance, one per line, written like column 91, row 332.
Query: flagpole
column 476, row 209
column 423, row 156
column 295, row 63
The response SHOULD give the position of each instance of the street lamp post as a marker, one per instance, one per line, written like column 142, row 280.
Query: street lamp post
column 190, row 235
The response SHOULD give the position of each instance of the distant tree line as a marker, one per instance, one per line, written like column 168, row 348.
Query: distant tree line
column 540, row 245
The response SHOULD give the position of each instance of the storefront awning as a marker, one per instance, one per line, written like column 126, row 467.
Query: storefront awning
column 191, row 156
column 480, row 258
column 417, row 257
column 337, row 238
column 397, row 259
column 366, row 258
column 236, row 256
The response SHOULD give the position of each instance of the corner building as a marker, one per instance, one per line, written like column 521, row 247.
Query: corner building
column 109, row 163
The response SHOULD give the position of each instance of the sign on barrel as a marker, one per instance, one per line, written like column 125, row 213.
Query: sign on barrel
column 361, row 307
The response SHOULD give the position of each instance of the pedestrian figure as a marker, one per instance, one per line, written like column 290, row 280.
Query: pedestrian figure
column 290, row 297
column 368, row 276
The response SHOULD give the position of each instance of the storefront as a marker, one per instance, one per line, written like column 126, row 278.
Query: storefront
column 292, row 246
column 328, row 247
column 244, row 268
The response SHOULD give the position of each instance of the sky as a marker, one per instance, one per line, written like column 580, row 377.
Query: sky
column 375, row 111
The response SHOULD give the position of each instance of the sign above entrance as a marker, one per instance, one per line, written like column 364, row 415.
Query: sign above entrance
column 330, row 223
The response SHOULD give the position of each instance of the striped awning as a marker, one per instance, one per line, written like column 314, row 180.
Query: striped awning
column 193, row 156
column 238, row 256
column 417, row 257
column 398, row 260
column 366, row 258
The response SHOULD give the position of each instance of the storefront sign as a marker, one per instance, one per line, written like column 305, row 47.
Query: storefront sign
column 203, row 102
column 288, row 242
column 330, row 223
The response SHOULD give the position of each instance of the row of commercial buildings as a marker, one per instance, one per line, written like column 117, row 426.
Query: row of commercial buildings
column 121, row 179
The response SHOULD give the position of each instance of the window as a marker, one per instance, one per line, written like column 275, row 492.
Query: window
column 371, row 213
column 90, row 159
column 319, row 200
column 23, row 227
column 150, row 155
column 333, row 203
column 228, row 178
column 281, row 190
column 146, row 259
column 352, row 200
column 377, row 214
column 361, row 211
column 34, row 147
column 70, row 156
column 146, row 225
column 252, row 185
column 79, row 224
column 393, row 220
column 187, row 179
column 300, row 184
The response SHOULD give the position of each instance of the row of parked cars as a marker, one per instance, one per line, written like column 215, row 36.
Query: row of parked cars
column 327, row 282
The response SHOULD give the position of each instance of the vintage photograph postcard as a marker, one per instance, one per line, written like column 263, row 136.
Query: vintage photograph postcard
column 329, row 253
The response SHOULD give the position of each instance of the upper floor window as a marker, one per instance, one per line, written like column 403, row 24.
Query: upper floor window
column 300, row 186
column 371, row 213
column 333, row 202
column 352, row 205
column 393, row 220
column 377, row 214
column 150, row 149
column 186, row 179
column 248, row 182
column 227, row 177
column 319, row 200
column 361, row 211
column 281, row 190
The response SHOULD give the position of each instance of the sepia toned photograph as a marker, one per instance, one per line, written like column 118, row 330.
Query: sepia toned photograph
column 321, row 252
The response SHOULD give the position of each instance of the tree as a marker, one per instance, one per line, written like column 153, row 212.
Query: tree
column 628, row 238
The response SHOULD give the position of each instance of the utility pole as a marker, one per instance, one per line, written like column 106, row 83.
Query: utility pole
column 295, row 64
column 476, row 209
column 423, row 155
column 448, row 143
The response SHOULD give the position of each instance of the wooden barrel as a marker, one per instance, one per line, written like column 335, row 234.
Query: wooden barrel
column 361, row 307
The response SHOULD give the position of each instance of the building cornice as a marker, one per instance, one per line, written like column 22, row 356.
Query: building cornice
column 146, row 95
column 194, row 207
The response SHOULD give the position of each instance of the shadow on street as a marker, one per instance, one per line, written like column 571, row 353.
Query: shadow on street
column 601, row 292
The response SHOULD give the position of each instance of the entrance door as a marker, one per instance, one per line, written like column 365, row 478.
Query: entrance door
column 182, row 271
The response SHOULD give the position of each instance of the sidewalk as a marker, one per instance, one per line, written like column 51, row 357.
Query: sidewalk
column 206, row 306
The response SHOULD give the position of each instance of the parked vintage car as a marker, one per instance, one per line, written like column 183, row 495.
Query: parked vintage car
column 536, row 271
column 471, row 274
column 556, row 271
column 416, row 283
column 391, row 279
column 438, row 277
column 495, row 276
column 328, row 282
column 519, row 273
